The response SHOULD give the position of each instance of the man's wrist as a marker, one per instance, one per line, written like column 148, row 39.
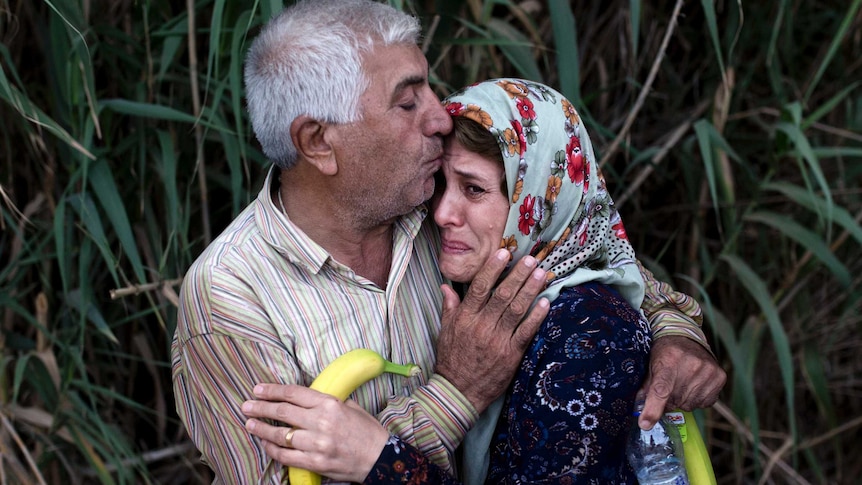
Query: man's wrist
column 669, row 323
column 452, row 411
column 668, row 336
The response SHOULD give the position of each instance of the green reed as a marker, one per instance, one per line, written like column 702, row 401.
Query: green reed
column 730, row 134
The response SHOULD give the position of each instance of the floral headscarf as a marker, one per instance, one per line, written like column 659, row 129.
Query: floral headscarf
column 560, row 212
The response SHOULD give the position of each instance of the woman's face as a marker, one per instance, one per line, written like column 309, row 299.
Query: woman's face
column 470, row 208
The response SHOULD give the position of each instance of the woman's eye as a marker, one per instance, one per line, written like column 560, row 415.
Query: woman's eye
column 475, row 190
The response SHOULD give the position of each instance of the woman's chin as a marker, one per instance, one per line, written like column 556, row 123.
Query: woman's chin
column 460, row 279
column 458, row 272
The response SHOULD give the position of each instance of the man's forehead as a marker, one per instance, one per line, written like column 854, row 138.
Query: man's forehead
column 396, row 66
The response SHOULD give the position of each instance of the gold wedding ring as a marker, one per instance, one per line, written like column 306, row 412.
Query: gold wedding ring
column 288, row 437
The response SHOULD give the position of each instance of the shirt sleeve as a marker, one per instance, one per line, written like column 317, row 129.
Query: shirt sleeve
column 434, row 419
column 215, row 370
column 400, row 463
column 671, row 312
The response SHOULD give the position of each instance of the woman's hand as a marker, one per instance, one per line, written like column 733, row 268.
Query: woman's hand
column 336, row 439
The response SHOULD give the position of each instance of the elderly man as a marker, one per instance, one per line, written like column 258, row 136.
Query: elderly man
column 336, row 253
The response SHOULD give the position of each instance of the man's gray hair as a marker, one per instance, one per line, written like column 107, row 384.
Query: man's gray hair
column 308, row 61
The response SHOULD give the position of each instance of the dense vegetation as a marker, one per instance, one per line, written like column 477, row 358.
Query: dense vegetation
column 730, row 133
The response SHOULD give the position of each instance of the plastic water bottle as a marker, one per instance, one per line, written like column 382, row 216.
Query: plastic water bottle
column 656, row 455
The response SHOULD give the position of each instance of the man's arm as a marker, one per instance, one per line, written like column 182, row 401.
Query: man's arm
column 683, row 371
column 480, row 347
column 215, row 373
column 671, row 312
column 482, row 341
column 223, row 349
column 212, row 374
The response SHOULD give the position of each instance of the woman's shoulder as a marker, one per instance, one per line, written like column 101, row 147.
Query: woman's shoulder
column 590, row 289
column 592, row 299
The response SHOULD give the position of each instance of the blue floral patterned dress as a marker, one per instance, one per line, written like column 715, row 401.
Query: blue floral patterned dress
column 569, row 408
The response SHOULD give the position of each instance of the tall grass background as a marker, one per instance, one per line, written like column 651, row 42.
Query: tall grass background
column 730, row 134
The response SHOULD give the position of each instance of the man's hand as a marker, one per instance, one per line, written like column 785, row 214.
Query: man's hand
column 337, row 439
column 483, row 339
column 682, row 375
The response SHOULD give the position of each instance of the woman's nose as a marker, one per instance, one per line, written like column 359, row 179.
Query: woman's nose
column 446, row 211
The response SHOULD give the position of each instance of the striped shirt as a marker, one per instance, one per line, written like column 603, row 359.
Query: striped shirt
column 671, row 312
column 265, row 303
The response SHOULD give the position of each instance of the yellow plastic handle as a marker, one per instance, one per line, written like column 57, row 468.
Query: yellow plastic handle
column 697, row 462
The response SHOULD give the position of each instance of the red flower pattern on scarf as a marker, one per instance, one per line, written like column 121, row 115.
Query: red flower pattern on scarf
column 583, row 238
column 619, row 230
column 454, row 109
column 575, row 159
column 526, row 220
column 522, row 140
column 525, row 107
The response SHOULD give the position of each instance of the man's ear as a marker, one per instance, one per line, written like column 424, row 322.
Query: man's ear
column 308, row 137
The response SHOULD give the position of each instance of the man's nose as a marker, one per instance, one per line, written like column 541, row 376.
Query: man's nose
column 438, row 122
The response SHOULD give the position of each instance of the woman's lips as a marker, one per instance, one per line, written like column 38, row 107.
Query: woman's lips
column 450, row 246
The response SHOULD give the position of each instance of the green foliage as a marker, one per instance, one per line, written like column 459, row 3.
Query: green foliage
column 733, row 152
